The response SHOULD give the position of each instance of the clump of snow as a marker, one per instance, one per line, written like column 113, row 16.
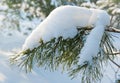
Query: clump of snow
column 100, row 2
column 88, row 5
column 91, row 47
column 63, row 21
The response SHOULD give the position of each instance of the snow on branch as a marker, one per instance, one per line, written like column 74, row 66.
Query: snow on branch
column 63, row 21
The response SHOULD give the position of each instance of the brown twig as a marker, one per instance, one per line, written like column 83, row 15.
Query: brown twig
column 107, row 29
column 116, row 53
column 114, row 62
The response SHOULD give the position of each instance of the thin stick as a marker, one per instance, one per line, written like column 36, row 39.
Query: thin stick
column 114, row 62
column 108, row 29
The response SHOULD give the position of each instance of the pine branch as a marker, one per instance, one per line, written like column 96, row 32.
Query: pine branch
column 52, row 54
column 59, row 52
column 107, row 29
